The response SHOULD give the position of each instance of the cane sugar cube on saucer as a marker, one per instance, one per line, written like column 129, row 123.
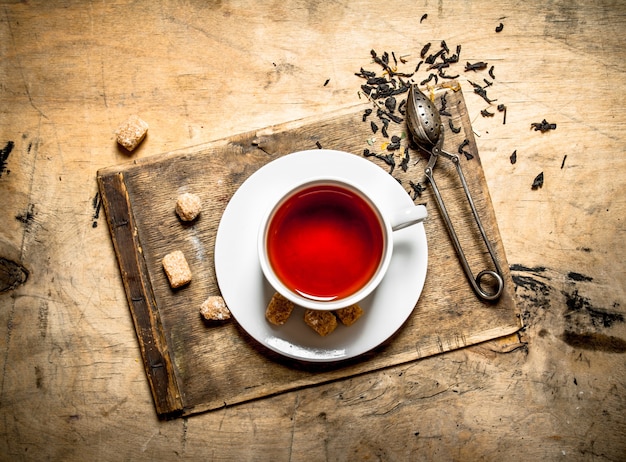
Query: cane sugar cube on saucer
column 322, row 322
column 278, row 310
column 349, row 314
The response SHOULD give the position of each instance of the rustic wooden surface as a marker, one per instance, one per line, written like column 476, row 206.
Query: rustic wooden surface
column 73, row 385
column 180, row 352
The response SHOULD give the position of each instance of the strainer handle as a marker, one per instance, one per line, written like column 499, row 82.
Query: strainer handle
column 478, row 280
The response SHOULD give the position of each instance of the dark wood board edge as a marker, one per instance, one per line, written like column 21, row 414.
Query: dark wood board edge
column 143, row 308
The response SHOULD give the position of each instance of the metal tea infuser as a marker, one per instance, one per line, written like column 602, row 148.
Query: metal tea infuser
column 424, row 124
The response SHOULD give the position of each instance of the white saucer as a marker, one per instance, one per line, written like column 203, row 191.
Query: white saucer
column 247, row 293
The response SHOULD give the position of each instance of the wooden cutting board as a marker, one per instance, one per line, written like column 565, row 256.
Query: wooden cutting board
column 193, row 366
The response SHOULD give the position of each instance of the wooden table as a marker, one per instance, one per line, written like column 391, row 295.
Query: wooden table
column 73, row 385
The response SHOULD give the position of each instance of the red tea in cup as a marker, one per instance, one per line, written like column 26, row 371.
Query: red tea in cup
column 325, row 242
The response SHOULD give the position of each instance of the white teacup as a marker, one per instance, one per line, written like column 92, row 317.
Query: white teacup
column 325, row 244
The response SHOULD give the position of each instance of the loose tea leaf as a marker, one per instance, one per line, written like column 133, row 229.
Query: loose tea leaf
column 365, row 74
column 388, row 159
column 430, row 77
column 538, row 181
column 543, row 126
column 404, row 165
column 395, row 143
column 452, row 127
column 388, row 115
column 417, row 188
column 376, row 81
column 499, row 27
column 502, row 108
column 513, row 157
column 384, row 61
column 455, row 57
column 390, row 103
column 444, row 106
column 480, row 91
column 402, row 107
column 432, row 58
column 461, row 150
column 479, row 66
column 443, row 75
column 383, row 131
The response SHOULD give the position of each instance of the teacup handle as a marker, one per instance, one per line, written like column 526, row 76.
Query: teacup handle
column 407, row 217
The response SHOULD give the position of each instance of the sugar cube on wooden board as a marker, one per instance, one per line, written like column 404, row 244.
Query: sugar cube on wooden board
column 214, row 309
column 188, row 206
column 177, row 269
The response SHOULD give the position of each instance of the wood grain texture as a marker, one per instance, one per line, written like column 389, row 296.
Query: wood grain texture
column 72, row 382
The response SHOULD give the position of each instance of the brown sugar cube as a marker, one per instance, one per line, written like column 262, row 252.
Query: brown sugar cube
column 322, row 322
column 278, row 310
column 177, row 269
column 349, row 314
column 131, row 132
column 214, row 309
column 188, row 206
